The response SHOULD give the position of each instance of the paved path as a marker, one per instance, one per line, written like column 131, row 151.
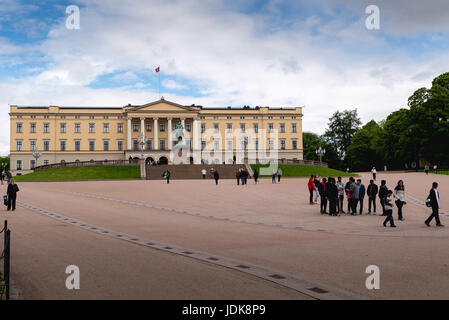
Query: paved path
column 269, row 228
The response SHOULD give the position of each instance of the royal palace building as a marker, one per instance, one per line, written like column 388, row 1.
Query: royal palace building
column 48, row 135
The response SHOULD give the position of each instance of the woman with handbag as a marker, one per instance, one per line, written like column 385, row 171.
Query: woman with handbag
column 12, row 194
column 399, row 196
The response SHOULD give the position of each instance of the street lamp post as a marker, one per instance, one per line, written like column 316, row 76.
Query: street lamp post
column 320, row 152
column 142, row 140
column 36, row 154
column 3, row 164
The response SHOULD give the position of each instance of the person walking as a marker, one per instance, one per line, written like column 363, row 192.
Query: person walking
column 434, row 198
column 166, row 175
column 388, row 204
column 279, row 173
column 237, row 175
column 362, row 192
column 354, row 196
column 244, row 176
column 426, row 169
column 12, row 195
column 372, row 191
column 203, row 173
column 273, row 176
column 311, row 187
column 382, row 195
column 216, row 177
column 8, row 176
column 435, row 168
column 399, row 196
column 323, row 198
column 341, row 194
column 374, row 172
column 2, row 176
column 256, row 176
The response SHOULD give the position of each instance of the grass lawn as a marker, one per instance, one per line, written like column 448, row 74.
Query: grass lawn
column 83, row 173
column 289, row 170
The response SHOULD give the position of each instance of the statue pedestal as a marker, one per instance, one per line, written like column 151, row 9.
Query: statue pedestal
column 143, row 171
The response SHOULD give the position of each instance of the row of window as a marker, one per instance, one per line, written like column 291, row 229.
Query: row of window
column 244, row 143
column 149, row 127
column 65, row 117
column 216, row 126
column 63, row 127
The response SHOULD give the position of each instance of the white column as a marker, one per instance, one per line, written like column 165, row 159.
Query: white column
column 195, row 134
column 142, row 125
column 156, row 139
column 129, row 134
column 183, row 123
column 169, row 135
column 196, row 144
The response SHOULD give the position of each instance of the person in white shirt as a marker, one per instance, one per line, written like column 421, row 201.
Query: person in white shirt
column 399, row 196
column 203, row 172
column 373, row 171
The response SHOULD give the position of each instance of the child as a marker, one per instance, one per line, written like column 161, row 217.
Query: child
column 388, row 202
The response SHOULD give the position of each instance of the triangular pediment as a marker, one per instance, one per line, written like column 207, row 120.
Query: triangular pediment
column 161, row 105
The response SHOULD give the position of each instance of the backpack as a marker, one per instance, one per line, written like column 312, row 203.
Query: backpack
column 428, row 201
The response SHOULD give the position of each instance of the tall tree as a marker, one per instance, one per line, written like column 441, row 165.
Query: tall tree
column 311, row 142
column 429, row 120
column 364, row 152
column 341, row 128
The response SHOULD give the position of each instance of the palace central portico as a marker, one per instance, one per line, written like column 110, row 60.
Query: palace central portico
column 210, row 135
column 155, row 121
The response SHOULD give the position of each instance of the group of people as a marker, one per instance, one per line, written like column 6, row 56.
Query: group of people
column 276, row 173
column 332, row 192
column 242, row 176
column 426, row 169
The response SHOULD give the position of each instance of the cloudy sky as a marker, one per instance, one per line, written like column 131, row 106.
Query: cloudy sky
column 217, row 53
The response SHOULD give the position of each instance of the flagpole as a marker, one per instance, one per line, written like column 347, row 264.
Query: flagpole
column 159, row 80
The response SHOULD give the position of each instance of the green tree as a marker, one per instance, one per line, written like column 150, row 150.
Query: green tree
column 311, row 143
column 429, row 121
column 341, row 128
column 365, row 151
column 4, row 160
column 395, row 140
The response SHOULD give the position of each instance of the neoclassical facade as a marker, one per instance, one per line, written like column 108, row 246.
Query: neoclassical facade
column 211, row 135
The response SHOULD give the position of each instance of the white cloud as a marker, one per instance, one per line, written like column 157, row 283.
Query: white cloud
column 125, row 77
column 172, row 84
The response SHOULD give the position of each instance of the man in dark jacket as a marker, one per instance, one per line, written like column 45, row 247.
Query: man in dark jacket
column 347, row 189
column 435, row 202
column 372, row 194
column 332, row 195
column 383, row 194
column 323, row 198
column 216, row 177
column 362, row 192
column 12, row 194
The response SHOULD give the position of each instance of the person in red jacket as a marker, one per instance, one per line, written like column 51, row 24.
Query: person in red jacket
column 311, row 186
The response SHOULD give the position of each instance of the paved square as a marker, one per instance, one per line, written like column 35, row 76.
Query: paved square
column 194, row 240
